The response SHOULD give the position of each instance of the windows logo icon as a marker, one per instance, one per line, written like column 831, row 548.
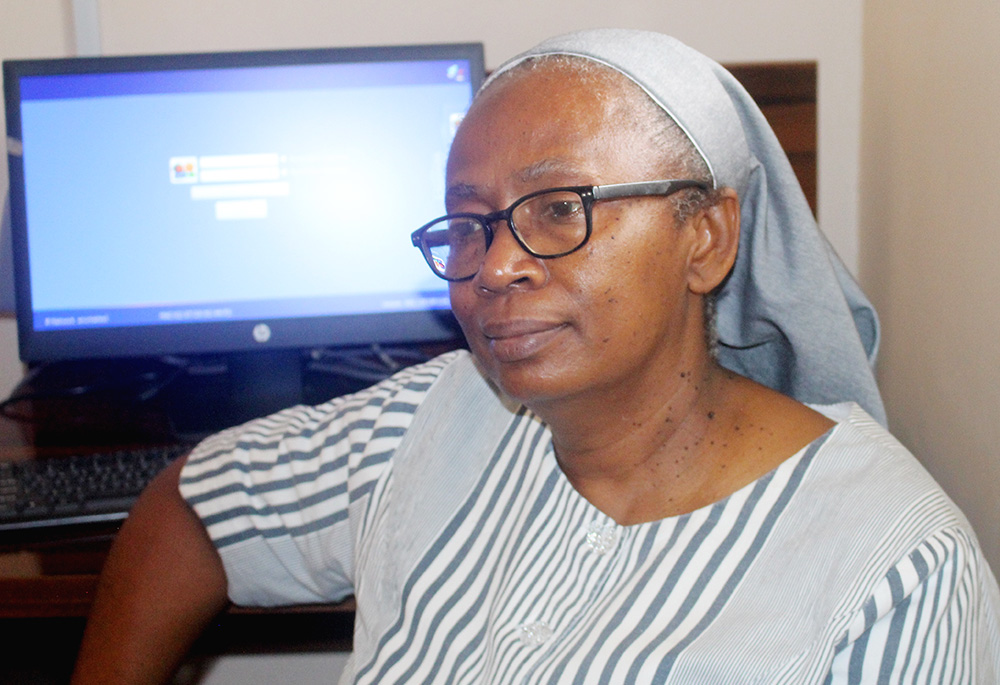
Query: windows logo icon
column 183, row 169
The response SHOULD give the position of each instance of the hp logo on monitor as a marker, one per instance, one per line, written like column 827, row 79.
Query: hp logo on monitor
column 262, row 333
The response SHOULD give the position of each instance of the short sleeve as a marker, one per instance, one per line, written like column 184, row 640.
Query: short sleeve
column 283, row 497
column 931, row 619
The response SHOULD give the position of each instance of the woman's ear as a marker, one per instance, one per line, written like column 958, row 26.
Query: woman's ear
column 716, row 241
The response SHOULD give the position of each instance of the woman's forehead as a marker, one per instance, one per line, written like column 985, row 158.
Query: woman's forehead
column 553, row 81
column 544, row 122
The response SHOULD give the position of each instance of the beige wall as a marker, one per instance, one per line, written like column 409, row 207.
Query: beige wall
column 35, row 28
column 931, row 237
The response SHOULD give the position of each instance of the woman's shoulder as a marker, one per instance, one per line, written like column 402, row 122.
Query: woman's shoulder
column 378, row 414
column 862, row 507
column 862, row 451
column 853, row 453
column 865, row 463
column 864, row 499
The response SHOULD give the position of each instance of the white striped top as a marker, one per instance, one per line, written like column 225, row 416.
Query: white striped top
column 474, row 560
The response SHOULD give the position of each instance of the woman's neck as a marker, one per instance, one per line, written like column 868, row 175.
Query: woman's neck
column 678, row 445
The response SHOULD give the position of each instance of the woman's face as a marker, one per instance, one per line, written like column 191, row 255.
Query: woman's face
column 607, row 318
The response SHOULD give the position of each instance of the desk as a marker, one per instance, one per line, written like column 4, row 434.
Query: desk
column 53, row 577
column 47, row 586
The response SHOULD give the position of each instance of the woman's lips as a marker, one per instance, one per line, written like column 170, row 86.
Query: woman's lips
column 512, row 341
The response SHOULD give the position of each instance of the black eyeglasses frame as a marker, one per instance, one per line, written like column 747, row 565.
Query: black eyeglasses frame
column 588, row 194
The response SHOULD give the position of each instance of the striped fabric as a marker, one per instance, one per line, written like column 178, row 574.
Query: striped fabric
column 845, row 565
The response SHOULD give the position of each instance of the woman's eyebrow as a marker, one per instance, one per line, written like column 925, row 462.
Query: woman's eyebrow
column 529, row 174
column 461, row 191
column 547, row 167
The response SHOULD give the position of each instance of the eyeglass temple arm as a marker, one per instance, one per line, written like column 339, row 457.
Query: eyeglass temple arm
column 643, row 188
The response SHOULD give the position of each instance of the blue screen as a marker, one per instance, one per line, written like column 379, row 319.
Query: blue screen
column 181, row 196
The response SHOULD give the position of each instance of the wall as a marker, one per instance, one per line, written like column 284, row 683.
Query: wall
column 931, row 237
column 930, row 158
column 40, row 28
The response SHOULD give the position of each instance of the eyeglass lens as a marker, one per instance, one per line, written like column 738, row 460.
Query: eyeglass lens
column 546, row 225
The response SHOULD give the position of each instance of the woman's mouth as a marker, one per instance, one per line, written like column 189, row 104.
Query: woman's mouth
column 514, row 341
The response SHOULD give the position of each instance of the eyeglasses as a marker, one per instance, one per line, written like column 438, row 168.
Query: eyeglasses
column 547, row 224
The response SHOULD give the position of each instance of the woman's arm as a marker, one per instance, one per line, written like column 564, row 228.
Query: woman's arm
column 161, row 585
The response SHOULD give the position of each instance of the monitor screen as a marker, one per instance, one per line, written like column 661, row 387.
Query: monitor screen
column 201, row 203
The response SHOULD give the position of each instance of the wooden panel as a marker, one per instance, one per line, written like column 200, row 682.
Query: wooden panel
column 47, row 596
column 794, row 124
column 786, row 93
column 782, row 82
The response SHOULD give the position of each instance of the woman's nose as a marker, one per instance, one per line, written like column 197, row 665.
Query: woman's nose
column 507, row 264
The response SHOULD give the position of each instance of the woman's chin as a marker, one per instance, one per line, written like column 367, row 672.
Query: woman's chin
column 531, row 381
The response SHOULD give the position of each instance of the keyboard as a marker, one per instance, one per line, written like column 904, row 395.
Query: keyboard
column 67, row 491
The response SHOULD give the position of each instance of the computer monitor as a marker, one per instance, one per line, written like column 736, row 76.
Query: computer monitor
column 190, row 204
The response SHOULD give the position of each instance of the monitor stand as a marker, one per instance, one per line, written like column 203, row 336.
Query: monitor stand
column 141, row 401
column 214, row 393
column 93, row 403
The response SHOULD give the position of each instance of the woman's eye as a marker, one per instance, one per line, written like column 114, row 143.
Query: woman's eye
column 462, row 231
column 561, row 211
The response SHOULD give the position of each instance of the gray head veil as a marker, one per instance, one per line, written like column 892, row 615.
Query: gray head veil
column 790, row 315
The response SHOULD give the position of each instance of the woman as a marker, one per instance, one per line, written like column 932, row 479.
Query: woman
column 610, row 492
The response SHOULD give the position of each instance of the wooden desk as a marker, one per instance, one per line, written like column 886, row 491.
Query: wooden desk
column 53, row 578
